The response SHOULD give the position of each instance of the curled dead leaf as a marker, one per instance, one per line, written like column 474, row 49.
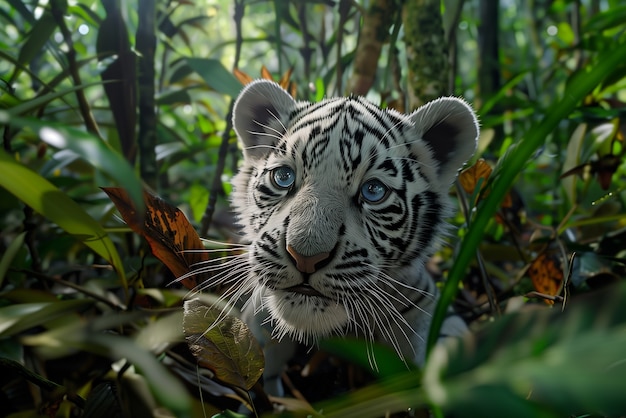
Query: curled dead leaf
column 171, row 237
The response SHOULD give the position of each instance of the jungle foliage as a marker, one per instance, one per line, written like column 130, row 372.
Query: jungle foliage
column 101, row 101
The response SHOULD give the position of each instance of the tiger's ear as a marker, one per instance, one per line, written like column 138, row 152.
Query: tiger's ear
column 260, row 115
column 450, row 129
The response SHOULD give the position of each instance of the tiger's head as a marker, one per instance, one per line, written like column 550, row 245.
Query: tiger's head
column 341, row 204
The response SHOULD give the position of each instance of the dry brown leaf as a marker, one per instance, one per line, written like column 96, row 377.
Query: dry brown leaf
column 472, row 176
column 285, row 80
column 546, row 275
column 171, row 237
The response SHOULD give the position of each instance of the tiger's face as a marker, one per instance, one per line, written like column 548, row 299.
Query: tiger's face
column 341, row 203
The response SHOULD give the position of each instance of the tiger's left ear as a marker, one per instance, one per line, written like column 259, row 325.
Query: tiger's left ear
column 450, row 129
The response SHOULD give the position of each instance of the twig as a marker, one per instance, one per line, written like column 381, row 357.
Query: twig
column 539, row 295
column 479, row 258
column 76, row 287
column 40, row 381
column 83, row 104
column 216, row 187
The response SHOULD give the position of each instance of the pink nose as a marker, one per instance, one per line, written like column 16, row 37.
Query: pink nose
column 306, row 263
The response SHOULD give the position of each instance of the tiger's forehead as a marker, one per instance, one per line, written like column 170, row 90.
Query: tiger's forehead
column 346, row 130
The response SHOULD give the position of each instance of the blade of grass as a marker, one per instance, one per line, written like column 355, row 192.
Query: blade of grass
column 512, row 163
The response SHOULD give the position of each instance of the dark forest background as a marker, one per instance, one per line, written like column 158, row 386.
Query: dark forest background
column 137, row 94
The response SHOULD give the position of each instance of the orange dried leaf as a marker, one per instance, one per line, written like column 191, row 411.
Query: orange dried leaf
column 285, row 79
column 293, row 90
column 470, row 177
column 546, row 275
column 265, row 73
column 171, row 237
column 242, row 77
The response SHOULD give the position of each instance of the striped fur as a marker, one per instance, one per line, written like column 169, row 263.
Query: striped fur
column 338, row 153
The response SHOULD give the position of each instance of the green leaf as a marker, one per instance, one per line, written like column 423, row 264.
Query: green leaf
column 39, row 35
column 40, row 101
column 610, row 18
column 20, row 317
column 91, row 149
column 223, row 344
column 539, row 363
column 512, row 164
column 387, row 363
column 215, row 75
column 572, row 159
column 20, row 7
column 52, row 203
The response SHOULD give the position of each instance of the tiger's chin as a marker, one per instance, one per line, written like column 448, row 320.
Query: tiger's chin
column 305, row 318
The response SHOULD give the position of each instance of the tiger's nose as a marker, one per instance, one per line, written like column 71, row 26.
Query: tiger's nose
column 306, row 263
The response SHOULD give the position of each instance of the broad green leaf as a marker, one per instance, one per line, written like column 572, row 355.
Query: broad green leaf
column 40, row 101
column 610, row 18
column 215, row 75
column 20, row 317
column 380, row 360
column 39, row 35
column 84, row 12
column 572, row 159
column 539, row 363
column 91, row 149
column 173, row 97
column 198, row 200
column 223, row 344
column 52, row 203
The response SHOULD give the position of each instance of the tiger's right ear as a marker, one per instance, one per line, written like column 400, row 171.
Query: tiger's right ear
column 260, row 116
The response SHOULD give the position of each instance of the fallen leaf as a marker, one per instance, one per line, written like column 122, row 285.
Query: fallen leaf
column 225, row 345
column 546, row 275
column 475, row 175
column 171, row 237
column 474, row 181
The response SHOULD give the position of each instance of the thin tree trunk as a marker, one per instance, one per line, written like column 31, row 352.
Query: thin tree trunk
column 488, row 61
column 426, row 51
column 374, row 33
column 146, row 44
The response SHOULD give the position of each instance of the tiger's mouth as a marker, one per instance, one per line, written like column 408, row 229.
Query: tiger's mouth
column 304, row 289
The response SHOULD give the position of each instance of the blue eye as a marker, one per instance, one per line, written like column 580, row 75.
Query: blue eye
column 283, row 177
column 374, row 191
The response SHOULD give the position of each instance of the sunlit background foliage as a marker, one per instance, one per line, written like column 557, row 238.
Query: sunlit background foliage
column 137, row 94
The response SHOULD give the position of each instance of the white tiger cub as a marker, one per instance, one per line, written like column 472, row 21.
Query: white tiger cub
column 341, row 203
